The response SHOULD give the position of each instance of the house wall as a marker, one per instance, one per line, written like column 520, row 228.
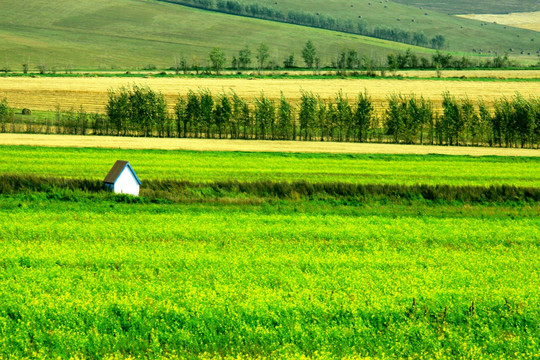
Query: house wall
column 126, row 183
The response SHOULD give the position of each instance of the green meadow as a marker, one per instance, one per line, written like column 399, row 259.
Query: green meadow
column 90, row 275
column 462, row 35
column 222, row 166
column 106, row 35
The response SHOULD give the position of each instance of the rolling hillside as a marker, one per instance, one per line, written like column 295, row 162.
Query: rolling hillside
column 475, row 7
column 462, row 35
column 122, row 34
column 133, row 33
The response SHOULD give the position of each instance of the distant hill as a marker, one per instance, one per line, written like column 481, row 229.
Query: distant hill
column 476, row 6
column 106, row 34
column 389, row 20
column 135, row 33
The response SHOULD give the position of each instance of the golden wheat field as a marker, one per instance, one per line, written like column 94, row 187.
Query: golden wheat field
column 115, row 142
column 91, row 93
column 524, row 20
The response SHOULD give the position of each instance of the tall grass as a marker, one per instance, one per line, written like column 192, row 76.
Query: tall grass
column 176, row 190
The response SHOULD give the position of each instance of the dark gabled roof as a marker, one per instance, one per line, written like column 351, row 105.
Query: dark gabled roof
column 117, row 169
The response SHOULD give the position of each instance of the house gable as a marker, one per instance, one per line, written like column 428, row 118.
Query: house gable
column 122, row 179
column 117, row 170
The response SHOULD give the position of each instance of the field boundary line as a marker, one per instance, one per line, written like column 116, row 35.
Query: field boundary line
column 117, row 142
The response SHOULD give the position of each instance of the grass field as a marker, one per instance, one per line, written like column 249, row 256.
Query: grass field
column 461, row 35
column 91, row 93
column 105, row 35
column 524, row 20
column 92, row 275
column 258, row 250
column 101, row 279
column 215, row 166
column 99, row 34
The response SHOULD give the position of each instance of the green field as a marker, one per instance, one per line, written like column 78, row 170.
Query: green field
column 475, row 7
column 105, row 35
column 105, row 279
column 219, row 166
column 462, row 35
column 90, row 275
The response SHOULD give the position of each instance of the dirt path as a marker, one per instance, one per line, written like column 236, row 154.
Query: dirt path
column 114, row 142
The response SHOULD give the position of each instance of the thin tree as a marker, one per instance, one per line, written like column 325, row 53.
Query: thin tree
column 306, row 115
column 321, row 121
column 284, row 119
column 222, row 114
column 265, row 115
column 363, row 116
column 117, row 109
column 309, row 54
column 193, row 113
column 180, row 114
column 207, row 105
column 344, row 116
column 262, row 55
column 452, row 118
column 244, row 57
column 217, row 60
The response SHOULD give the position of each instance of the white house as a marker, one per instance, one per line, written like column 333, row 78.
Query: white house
column 122, row 179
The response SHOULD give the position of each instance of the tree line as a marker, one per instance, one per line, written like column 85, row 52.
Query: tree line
column 408, row 119
column 344, row 60
column 360, row 27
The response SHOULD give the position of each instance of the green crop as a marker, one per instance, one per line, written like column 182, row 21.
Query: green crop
column 241, row 256
column 93, row 277
column 217, row 166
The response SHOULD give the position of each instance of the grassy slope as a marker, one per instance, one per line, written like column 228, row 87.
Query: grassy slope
column 214, row 166
column 134, row 33
column 475, row 7
column 463, row 35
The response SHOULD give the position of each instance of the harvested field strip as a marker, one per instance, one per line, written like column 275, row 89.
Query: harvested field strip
column 117, row 142
column 91, row 93
column 524, row 20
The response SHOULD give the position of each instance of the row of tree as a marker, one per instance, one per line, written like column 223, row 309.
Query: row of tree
column 139, row 111
column 318, row 20
column 345, row 59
